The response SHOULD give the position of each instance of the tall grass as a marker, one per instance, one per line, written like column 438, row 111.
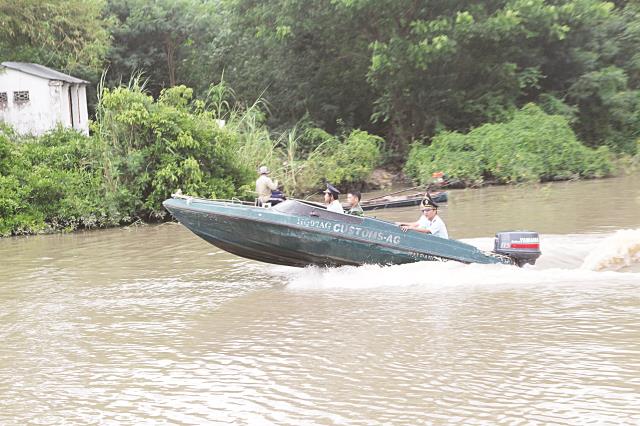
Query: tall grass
column 302, row 158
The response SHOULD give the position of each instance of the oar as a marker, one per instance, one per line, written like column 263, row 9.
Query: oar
column 393, row 193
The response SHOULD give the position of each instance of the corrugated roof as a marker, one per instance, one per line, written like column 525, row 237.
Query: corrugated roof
column 42, row 71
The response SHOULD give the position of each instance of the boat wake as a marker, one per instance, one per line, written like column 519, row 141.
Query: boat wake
column 581, row 259
column 616, row 252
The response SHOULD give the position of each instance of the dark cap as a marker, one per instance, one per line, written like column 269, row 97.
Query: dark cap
column 428, row 202
column 331, row 190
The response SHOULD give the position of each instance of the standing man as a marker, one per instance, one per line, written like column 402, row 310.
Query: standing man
column 353, row 198
column 331, row 199
column 264, row 185
column 429, row 222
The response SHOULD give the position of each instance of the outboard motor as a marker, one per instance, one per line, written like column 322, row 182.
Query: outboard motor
column 522, row 246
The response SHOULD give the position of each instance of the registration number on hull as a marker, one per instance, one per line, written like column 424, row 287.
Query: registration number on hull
column 351, row 230
column 425, row 256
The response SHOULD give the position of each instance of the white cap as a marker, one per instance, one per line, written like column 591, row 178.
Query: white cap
column 264, row 170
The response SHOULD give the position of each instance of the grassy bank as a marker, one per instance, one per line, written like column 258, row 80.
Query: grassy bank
column 142, row 149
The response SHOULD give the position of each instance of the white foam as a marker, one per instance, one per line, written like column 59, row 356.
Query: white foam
column 615, row 252
column 450, row 274
column 573, row 259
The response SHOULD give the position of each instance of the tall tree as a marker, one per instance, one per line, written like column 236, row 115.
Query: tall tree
column 304, row 57
column 408, row 69
column 458, row 64
column 157, row 38
column 65, row 34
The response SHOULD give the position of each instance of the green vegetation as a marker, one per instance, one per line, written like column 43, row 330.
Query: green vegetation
column 149, row 148
column 141, row 150
column 399, row 69
column 533, row 146
column 50, row 183
column 66, row 34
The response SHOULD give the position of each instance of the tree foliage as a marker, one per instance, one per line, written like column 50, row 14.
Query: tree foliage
column 303, row 57
column 532, row 146
column 402, row 69
column 165, row 40
column 67, row 34
column 151, row 148
column 408, row 70
column 461, row 64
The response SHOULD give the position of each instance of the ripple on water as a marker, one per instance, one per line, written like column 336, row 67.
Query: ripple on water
column 97, row 332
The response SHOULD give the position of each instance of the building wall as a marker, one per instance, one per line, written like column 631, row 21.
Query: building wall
column 79, row 114
column 48, row 105
column 83, row 111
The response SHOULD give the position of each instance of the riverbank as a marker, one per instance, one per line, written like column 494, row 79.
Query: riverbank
column 143, row 149
column 381, row 178
column 515, row 199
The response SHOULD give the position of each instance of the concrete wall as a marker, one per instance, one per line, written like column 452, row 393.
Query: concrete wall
column 50, row 103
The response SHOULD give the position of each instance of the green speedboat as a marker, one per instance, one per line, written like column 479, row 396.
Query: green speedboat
column 300, row 233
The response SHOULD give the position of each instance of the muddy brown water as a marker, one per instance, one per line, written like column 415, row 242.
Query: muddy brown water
column 151, row 325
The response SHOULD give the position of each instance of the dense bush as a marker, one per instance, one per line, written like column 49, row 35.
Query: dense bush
column 49, row 183
column 532, row 146
column 152, row 148
column 343, row 162
column 303, row 157
column 143, row 149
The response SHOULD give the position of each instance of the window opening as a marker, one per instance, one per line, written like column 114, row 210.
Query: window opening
column 21, row 97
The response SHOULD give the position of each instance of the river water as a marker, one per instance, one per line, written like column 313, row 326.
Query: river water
column 151, row 325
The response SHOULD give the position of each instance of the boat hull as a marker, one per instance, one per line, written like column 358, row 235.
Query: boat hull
column 300, row 234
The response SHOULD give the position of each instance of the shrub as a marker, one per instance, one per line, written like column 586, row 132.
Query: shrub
column 303, row 157
column 532, row 146
column 152, row 148
column 449, row 151
column 342, row 162
column 49, row 183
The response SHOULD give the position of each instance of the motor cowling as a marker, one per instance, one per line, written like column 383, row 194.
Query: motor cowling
column 522, row 246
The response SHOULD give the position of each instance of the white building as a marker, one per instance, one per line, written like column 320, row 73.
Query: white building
column 35, row 99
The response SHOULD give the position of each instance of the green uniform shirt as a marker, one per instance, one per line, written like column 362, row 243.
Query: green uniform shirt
column 356, row 211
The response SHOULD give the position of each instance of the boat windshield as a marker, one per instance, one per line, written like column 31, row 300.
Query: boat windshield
column 296, row 207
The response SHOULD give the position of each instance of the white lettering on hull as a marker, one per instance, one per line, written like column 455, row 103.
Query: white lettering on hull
column 351, row 230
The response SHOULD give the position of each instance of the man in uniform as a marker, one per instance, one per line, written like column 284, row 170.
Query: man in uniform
column 331, row 199
column 264, row 185
column 429, row 222
column 353, row 198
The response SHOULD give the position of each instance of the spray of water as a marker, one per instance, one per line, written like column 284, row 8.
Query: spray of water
column 575, row 259
column 617, row 251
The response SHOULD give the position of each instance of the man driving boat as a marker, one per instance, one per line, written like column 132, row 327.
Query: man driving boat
column 429, row 222
column 264, row 185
